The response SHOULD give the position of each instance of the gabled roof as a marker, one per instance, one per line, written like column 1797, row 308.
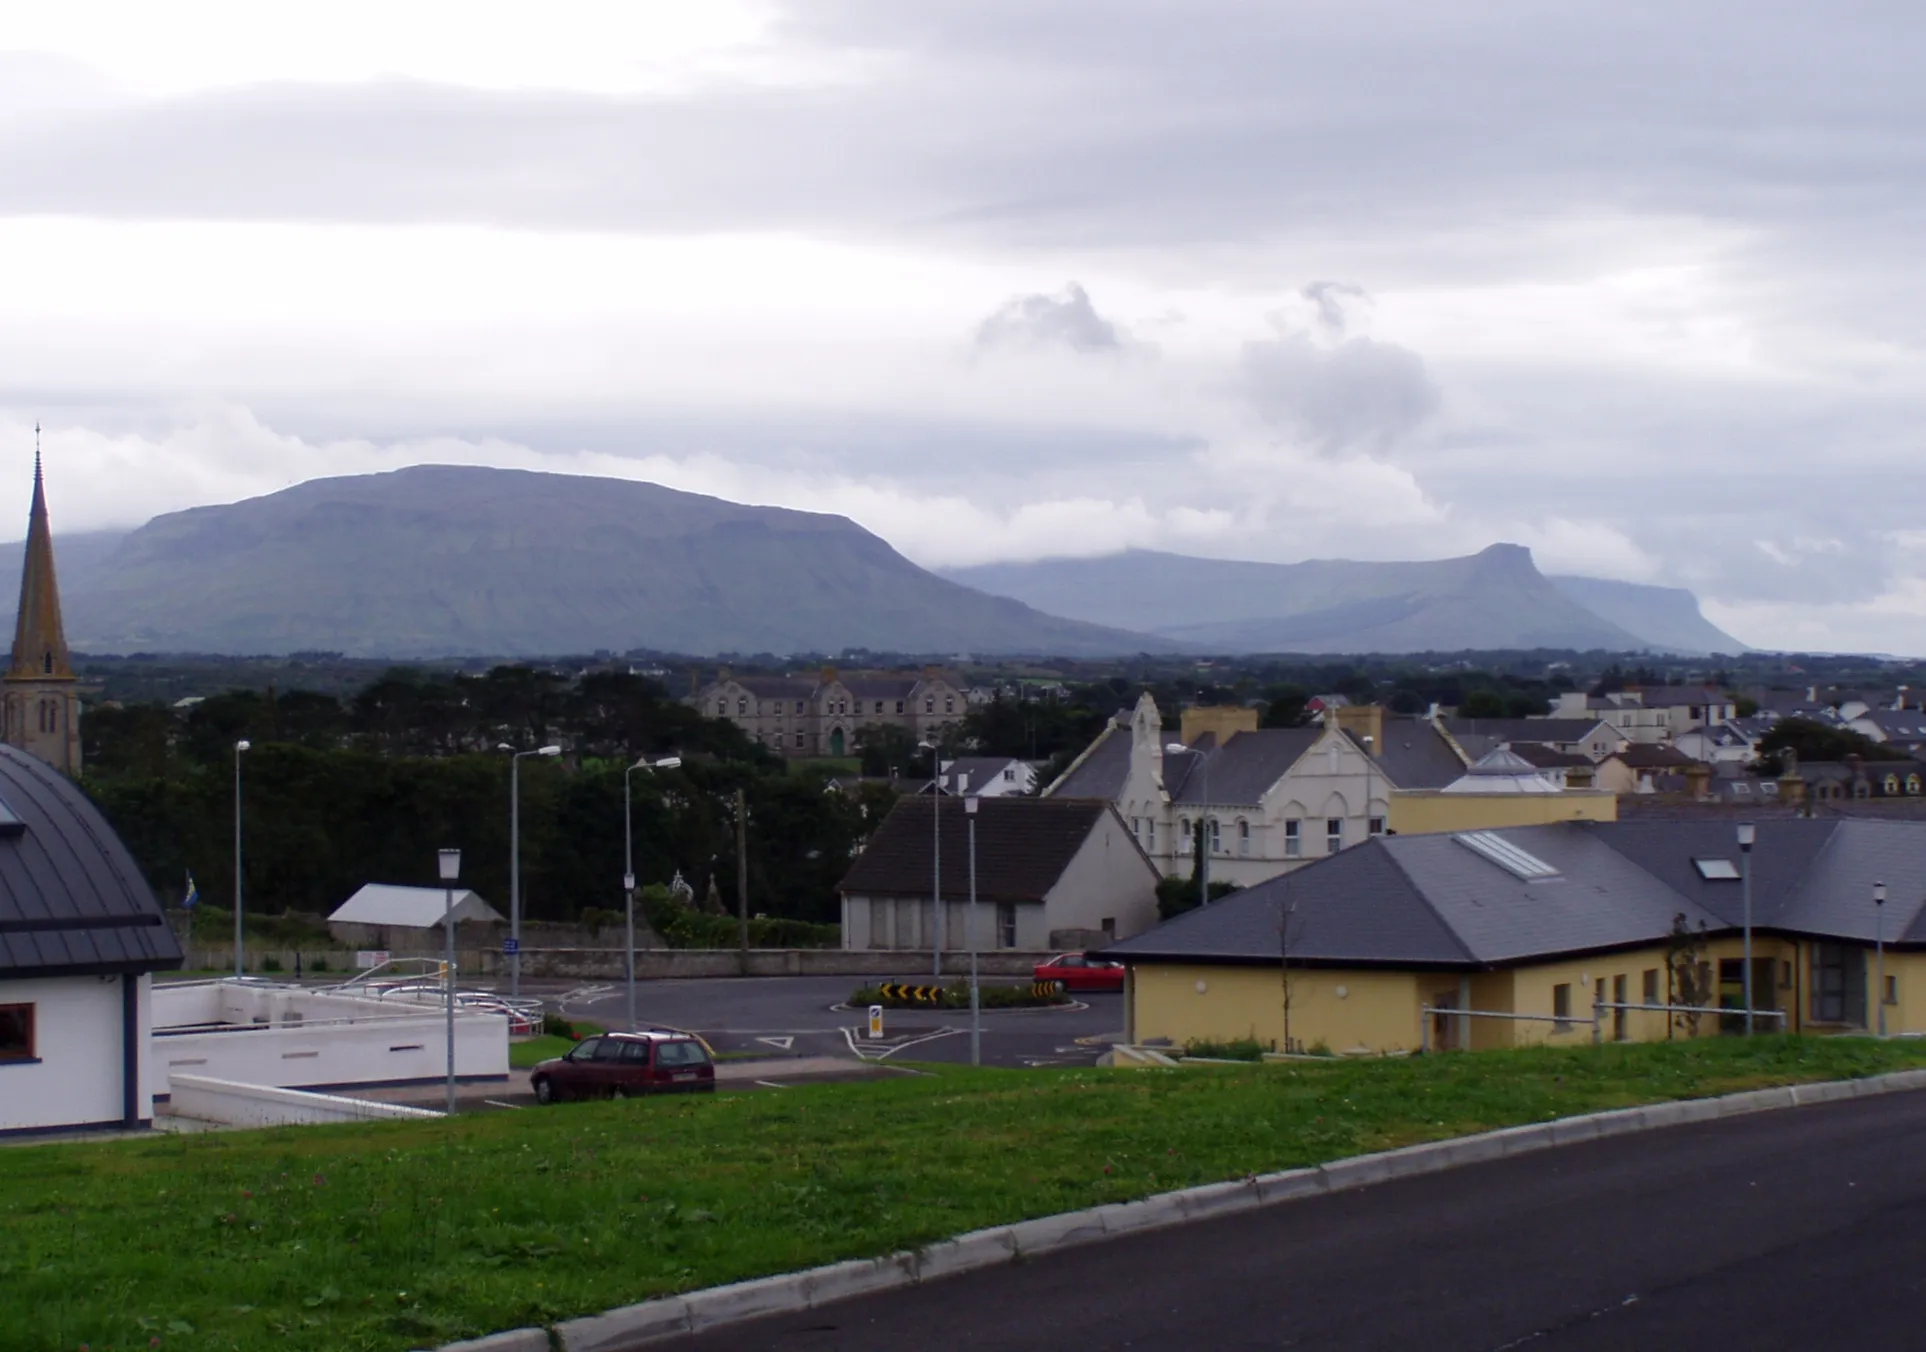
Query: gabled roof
column 1547, row 757
column 1101, row 771
column 1415, row 755
column 1553, row 731
column 412, row 907
column 1640, row 756
column 968, row 774
column 1023, row 846
column 72, row 899
column 1680, row 696
column 1241, row 771
column 776, row 687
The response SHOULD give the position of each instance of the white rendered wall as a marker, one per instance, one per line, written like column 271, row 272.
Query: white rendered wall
column 254, row 1105
column 77, row 1037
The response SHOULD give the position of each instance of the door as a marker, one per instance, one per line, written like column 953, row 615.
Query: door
column 1732, row 993
column 632, row 1075
column 836, row 742
column 572, row 1076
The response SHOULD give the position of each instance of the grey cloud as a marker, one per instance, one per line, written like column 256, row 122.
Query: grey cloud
column 1329, row 298
column 1361, row 395
column 1069, row 320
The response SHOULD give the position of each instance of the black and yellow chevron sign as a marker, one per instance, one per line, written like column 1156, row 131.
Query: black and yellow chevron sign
column 1044, row 990
column 906, row 994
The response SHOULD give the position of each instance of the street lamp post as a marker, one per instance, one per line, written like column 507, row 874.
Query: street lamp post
column 1747, row 834
column 936, row 860
column 1370, row 747
column 1879, row 971
column 449, row 864
column 976, row 1013
column 515, row 858
column 240, row 961
column 628, row 870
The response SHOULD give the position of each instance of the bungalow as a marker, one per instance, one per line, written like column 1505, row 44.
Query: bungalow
column 1550, row 922
column 80, row 938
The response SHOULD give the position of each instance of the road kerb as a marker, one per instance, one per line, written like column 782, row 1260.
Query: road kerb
column 657, row 1321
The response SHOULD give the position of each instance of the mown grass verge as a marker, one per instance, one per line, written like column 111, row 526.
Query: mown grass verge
column 399, row 1234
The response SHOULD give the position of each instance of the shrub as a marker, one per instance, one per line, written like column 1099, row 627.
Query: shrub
column 956, row 995
column 270, row 963
column 320, row 964
column 1236, row 1049
column 685, row 927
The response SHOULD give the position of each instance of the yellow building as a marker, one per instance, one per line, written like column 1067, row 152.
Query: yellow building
column 1502, row 789
column 1564, row 924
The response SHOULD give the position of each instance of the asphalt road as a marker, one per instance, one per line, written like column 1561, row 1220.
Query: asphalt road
column 795, row 1016
column 1801, row 1229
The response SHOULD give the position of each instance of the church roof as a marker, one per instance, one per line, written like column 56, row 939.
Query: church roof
column 39, row 640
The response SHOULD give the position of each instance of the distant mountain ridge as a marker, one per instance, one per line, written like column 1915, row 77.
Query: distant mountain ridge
column 1493, row 599
column 442, row 560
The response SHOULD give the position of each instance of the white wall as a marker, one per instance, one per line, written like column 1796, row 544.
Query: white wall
column 305, row 1038
column 1108, row 879
column 253, row 1105
column 77, row 1080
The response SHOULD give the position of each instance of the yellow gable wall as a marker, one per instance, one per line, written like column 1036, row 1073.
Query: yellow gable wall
column 1428, row 812
column 1343, row 1010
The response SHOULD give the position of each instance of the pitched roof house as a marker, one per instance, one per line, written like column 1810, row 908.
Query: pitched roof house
column 1047, row 874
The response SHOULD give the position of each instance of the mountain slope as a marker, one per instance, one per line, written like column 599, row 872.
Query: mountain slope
column 1668, row 617
column 440, row 559
column 1496, row 598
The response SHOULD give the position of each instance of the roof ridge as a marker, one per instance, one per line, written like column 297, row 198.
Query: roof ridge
column 1423, row 900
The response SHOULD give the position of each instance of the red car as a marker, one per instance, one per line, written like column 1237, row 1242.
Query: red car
column 626, row 1065
column 1082, row 972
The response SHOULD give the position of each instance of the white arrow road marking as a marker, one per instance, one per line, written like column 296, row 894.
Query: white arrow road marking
column 780, row 1043
column 872, row 1051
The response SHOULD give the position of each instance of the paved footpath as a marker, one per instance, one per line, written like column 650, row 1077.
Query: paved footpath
column 1804, row 1228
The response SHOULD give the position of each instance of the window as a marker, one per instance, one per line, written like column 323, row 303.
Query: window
column 929, row 706
column 609, row 1050
column 16, row 1033
column 1562, row 1006
column 585, row 1049
column 899, row 706
column 799, row 742
column 1892, row 786
column 742, row 706
column 1293, row 839
column 636, row 1051
column 1216, row 842
column 1243, row 837
column 1006, row 924
column 1717, row 870
column 1333, row 835
column 1009, row 771
column 1377, row 826
column 1621, row 998
column 1649, row 993
column 1183, row 828
column 879, row 706
column 680, row 1053
column 1741, row 789
column 1891, row 996
column 722, row 708
column 949, row 704
column 1153, row 834
column 1912, row 785
column 799, row 706
column 1838, row 984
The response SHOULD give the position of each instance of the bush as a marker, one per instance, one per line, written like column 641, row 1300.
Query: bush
column 1177, row 895
column 1237, row 1049
column 320, row 964
column 270, row 963
column 685, row 927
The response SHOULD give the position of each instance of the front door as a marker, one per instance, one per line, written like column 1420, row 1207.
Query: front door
column 1732, row 993
column 836, row 742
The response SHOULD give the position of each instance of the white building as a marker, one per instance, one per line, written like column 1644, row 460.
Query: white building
column 80, row 936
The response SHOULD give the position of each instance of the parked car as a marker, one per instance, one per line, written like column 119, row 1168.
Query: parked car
column 626, row 1065
column 1082, row 972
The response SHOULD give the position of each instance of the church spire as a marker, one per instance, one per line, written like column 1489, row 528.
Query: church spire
column 39, row 639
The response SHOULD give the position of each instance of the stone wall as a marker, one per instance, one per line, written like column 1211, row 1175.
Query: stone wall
column 605, row 964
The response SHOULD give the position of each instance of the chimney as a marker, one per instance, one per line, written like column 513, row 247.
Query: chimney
column 829, row 674
column 1812, row 694
column 1226, row 720
column 1364, row 720
column 1698, row 781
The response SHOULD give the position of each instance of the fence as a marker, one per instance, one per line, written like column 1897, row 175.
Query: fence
column 1425, row 1013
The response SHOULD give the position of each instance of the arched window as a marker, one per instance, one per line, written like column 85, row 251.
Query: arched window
column 1912, row 785
column 1892, row 786
column 742, row 706
column 949, row 704
column 1216, row 843
column 1183, row 825
column 1243, row 836
column 48, row 662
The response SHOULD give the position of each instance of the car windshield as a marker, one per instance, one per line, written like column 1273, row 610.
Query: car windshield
column 585, row 1049
column 680, row 1054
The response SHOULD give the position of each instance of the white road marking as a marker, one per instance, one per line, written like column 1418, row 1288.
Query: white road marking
column 869, row 1051
column 782, row 1043
column 497, row 1103
column 771, row 1084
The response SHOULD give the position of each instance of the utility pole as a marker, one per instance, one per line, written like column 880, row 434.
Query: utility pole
column 742, row 878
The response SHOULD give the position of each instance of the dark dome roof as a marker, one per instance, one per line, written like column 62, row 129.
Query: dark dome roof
column 72, row 899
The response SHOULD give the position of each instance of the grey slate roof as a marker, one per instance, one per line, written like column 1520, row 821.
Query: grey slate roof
column 1552, row 731
column 1415, row 755
column 1431, row 900
column 1242, row 770
column 1023, row 846
column 1102, row 771
column 72, row 900
column 968, row 774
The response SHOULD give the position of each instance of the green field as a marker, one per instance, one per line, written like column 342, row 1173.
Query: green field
column 399, row 1234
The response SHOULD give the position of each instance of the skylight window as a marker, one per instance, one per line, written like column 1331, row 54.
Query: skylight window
column 1507, row 856
column 10, row 824
column 1717, row 870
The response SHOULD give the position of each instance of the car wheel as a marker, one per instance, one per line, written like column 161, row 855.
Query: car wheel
column 544, row 1091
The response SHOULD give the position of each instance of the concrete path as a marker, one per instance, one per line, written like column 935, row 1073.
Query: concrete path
column 1803, row 1228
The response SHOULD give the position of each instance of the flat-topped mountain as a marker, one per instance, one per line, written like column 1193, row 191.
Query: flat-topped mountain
column 452, row 560
column 1496, row 598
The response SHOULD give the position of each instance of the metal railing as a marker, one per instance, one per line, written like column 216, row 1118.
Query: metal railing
column 1571, row 1022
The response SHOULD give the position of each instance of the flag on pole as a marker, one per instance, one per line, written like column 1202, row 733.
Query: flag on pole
column 192, row 895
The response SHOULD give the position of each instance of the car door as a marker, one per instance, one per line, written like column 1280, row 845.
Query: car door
column 604, row 1071
column 572, row 1076
column 1073, row 975
column 633, row 1075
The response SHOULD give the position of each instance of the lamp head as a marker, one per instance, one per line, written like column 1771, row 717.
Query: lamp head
column 1747, row 834
column 669, row 763
column 449, row 864
column 243, row 745
column 1175, row 748
column 969, row 804
column 548, row 751
column 1879, row 894
column 503, row 746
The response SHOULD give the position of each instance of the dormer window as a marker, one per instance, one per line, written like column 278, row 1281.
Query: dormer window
column 48, row 662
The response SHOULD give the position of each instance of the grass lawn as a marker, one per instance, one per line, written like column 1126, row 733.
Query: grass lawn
column 522, row 1055
column 396, row 1235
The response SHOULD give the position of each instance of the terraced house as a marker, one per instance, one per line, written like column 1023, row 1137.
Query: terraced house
column 824, row 714
column 1369, row 951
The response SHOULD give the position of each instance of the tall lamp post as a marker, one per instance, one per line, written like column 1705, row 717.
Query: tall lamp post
column 628, row 870
column 1204, row 825
column 1747, row 834
column 976, row 1013
column 936, row 859
column 1879, row 971
column 1370, row 749
column 449, row 864
column 240, row 961
column 515, row 858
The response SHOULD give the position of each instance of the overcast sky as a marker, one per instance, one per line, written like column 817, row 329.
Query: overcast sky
column 1637, row 285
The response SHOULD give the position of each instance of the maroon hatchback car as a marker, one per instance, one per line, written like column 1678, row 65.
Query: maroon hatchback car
column 626, row 1065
